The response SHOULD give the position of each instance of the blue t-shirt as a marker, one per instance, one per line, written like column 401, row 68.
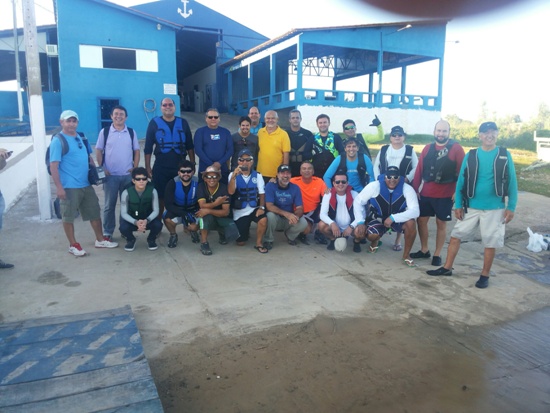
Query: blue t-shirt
column 213, row 145
column 73, row 166
column 352, row 174
column 287, row 199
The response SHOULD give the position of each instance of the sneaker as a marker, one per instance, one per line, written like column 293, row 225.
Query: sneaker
column 439, row 271
column 292, row 242
column 303, row 239
column 483, row 282
column 77, row 250
column 420, row 254
column 356, row 246
column 222, row 239
column 152, row 244
column 173, row 241
column 330, row 245
column 436, row 261
column 205, row 249
column 105, row 244
column 130, row 245
column 5, row 265
column 195, row 239
column 320, row 238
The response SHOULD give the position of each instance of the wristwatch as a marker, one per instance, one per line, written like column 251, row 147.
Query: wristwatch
column 262, row 207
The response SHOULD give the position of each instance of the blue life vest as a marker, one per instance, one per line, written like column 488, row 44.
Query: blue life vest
column 189, row 200
column 246, row 193
column 170, row 140
column 387, row 203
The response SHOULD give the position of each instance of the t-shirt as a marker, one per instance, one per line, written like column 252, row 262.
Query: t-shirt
column 73, row 166
column 287, row 199
column 272, row 148
column 312, row 193
column 118, row 156
column 239, row 143
column 353, row 176
column 204, row 193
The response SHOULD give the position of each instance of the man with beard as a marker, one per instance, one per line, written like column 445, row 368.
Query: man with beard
column 301, row 142
column 435, row 180
column 181, row 204
column 327, row 146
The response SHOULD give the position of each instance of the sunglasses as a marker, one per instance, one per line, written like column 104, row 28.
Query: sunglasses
column 140, row 179
column 212, row 117
column 167, row 105
column 79, row 142
column 340, row 182
column 186, row 171
column 396, row 135
column 392, row 176
column 211, row 177
column 349, row 127
column 246, row 159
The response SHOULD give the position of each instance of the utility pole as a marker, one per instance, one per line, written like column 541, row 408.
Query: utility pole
column 36, row 109
column 17, row 70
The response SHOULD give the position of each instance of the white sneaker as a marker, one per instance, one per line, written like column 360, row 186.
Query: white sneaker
column 76, row 250
column 105, row 244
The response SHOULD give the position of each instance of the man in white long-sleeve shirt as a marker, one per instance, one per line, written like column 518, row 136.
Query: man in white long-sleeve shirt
column 392, row 206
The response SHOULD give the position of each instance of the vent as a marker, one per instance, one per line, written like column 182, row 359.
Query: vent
column 51, row 49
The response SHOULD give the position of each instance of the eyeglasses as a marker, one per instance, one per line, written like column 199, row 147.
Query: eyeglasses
column 211, row 176
column 396, row 135
column 340, row 182
column 349, row 127
column 164, row 105
column 392, row 177
column 246, row 159
column 212, row 117
column 140, row 179
column 186, row 171
column 79, row 142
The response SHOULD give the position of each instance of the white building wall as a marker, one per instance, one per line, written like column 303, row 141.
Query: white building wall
column 202, row 78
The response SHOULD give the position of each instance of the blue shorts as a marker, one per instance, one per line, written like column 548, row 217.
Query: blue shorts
column 441, row 208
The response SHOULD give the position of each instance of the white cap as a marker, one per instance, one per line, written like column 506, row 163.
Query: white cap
column 66, row 114
column 340, row 244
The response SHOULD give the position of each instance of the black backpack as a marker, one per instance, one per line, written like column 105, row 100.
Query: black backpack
column 64, row 147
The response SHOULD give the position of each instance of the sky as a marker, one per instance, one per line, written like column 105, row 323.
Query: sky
column 499, row 57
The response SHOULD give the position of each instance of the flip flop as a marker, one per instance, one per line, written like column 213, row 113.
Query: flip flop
column 409, row 263
column 261, row 249
column 397, row 247
column 373, row 250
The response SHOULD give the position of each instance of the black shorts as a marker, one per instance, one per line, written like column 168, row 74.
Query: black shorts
column 243, row 224
column 441, row 208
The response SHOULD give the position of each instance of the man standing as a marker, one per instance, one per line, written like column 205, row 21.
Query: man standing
column 392, row 206
column 285, row 208
column 435, row 180
column 4, row 155
column 358, row 167
column 117, row 150
column 274, row 145
column 69, row 163
column 487, row 177
column 326, row 146
column 182, row 204
column 350, row 131
column 169, row 138
column 139, row 208
column 337, row 210
column 214, row 145
column 243, row 139
column 301, row 142
column 255, row 124
column 214, row 207
column 248, row 191
column 313, row 189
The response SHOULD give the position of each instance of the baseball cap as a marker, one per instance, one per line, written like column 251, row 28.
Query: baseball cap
column 245, row 152
column 283, row 168
column 397, row 129
column 392, row 170
column 66, row 114
column 487, row 126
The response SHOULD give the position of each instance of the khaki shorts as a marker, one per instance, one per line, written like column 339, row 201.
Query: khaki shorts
column 83, row 200
column 490, row 224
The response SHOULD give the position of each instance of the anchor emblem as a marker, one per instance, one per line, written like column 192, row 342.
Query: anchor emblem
column 184, row 13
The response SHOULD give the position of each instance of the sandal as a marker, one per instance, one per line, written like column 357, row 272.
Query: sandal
column 373, row 250
column 397, row 247
column 261, row 249
column 409, row 263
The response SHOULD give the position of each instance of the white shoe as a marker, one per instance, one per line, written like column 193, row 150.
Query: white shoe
column 105, row 244
column 76, row 250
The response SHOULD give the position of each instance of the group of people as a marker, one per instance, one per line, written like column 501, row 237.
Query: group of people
column 292, row 180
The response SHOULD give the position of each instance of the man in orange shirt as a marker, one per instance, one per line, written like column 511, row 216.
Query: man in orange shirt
column 312, row 189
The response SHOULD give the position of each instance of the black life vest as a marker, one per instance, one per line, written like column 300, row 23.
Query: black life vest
column 437, row 167
column 364, row 177
column 140, row 207
column 333, row 204
column 500, row 173
column 406, row 163
column 387, row 203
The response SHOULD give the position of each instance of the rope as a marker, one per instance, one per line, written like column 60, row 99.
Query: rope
column 149, row 105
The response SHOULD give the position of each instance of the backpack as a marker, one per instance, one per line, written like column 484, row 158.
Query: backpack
column 106, row 135
column 64, row 147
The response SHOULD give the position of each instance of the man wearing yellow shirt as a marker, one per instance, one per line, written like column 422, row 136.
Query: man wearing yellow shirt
column 274, row 145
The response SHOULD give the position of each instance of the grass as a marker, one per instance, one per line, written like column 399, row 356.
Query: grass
column 536, row 181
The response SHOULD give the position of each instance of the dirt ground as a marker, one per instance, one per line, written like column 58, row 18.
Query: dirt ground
column 345, row 365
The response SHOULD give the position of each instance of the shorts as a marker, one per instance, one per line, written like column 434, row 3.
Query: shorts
column 187, row 218
column 376, row 227
column 441, row 208
column 490, row 225
column 243, row 224
column 83, row 200
column 212, row 223
column 313, row 216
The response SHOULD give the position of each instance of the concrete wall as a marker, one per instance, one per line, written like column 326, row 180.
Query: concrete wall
column 52, row 106
column 20, row 170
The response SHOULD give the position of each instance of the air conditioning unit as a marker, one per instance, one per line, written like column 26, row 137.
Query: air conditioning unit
column 51, row 50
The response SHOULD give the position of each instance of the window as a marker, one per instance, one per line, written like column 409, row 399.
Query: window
column 98, row 57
